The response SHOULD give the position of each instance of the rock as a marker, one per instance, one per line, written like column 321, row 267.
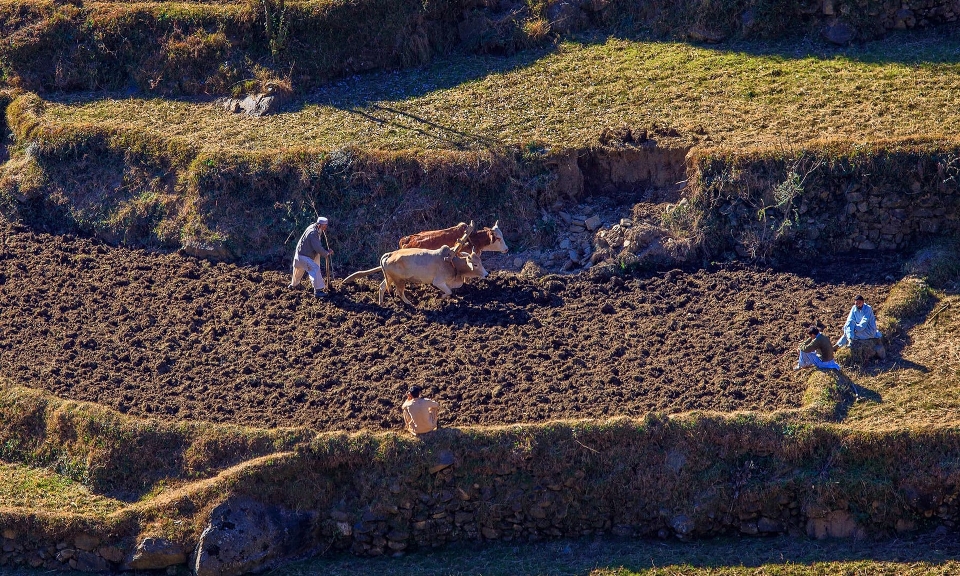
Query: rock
column 904, row 19
column 565, row 244
column 111, row 554
column 89, row 562
column 839, row 33
column 246, row 536
column 905, row 525
column 254, row 105
column 682, row 524
column 490, row 533
column 445, row 459
column 211, row 250
column 10, row 534
column 155, row 553
column 626, row 222
column 863, row 351
column 517, row 262
column 344, row 528
column 65, row 555
column 592, row 223
column 866, row 245
column 768, row 525
column 86, row 542
column 749, row 528
column 701, row 33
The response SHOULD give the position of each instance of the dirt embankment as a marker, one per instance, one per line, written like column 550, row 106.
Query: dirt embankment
column 169, row 336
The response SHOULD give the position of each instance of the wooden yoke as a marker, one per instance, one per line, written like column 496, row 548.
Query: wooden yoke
column 464, row 240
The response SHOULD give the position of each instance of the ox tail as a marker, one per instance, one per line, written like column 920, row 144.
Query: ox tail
column 361, row 274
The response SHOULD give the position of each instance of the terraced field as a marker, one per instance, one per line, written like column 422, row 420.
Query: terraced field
column 757, row 94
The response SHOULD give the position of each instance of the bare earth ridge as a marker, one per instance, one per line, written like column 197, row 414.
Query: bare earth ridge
column 168, row 336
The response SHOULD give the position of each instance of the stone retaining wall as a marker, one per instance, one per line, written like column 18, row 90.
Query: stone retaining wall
column 683, row 478
column 819, row 201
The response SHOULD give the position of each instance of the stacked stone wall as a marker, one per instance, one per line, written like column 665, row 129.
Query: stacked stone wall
column 820, row 201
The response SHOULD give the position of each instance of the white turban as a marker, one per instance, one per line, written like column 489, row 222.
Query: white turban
column 321, row 220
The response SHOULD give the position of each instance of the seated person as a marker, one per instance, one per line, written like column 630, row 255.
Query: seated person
column 419, row 414
column 816, row 351
column 861, row 324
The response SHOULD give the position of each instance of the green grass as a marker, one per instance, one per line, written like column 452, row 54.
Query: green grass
column 42, row 490
column 781, row 556
column 744, row 94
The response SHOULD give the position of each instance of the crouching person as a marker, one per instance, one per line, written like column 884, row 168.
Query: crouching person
column 419, row 414
column 816, row 351
column 861, row 324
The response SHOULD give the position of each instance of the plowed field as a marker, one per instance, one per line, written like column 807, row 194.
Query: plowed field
column 168, row 336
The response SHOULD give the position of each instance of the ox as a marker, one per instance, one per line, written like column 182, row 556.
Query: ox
column 442, row 268
column 483, row 240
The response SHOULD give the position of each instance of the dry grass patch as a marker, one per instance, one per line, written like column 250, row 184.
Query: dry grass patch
column 920, row 388
column 43, row 490
column 757, row 93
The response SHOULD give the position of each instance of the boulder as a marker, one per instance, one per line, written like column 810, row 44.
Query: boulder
column 863, row 351
column 155, row 553
column 701, row 33
column 445, row 459
column 839, row 33
column 246, row 536
column 210, row 250
column 86, row 542
column 90, row 562
column 255, row 105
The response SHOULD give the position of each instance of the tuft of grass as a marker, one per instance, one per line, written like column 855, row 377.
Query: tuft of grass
column 565, row 97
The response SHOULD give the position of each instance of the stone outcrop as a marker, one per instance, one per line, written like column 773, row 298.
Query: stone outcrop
column 244, row 536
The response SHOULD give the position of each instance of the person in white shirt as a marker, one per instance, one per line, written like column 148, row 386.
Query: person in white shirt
column 419, row 414
column 310, row 250
column 861, row 324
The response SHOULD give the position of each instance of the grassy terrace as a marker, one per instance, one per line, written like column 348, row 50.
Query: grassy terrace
column 921, row 389
column 42, row 490
column 751, row 94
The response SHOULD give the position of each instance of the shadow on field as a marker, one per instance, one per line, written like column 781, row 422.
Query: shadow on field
column 609, row 556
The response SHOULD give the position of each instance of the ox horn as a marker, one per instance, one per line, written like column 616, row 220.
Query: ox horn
column 497, row 223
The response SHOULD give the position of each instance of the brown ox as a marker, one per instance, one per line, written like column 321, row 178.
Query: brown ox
column 442, row 268
column 483, row 240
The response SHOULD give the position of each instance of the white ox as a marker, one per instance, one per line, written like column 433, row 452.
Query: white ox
column 440, row 267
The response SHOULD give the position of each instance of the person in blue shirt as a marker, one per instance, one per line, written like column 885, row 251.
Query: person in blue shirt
column 861, row 324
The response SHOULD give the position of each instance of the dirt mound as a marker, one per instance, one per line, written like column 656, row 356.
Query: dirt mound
column 169, row 336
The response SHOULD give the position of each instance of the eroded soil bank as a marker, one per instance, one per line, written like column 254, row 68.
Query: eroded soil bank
column 169, row 336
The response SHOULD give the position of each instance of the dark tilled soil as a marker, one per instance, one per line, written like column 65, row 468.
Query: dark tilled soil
column 169, row 336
